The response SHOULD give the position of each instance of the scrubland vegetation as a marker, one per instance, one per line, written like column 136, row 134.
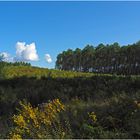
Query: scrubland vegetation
column 112, row 100
column 42, row 103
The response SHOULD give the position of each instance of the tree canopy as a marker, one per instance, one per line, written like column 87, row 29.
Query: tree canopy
column 111, row 58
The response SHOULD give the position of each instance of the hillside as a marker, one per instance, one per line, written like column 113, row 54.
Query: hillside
column 8, row 72
column 96, row 105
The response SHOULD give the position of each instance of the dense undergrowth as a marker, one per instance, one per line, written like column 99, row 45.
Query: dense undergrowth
column 96, row 106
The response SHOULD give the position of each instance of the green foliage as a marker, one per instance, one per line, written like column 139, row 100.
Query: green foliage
column 115, row 100
column 6, row 65
column 20, row 71
column 111, row 58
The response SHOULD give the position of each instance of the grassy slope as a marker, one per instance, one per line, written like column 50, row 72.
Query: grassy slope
column 110, row 97
column 19, row 71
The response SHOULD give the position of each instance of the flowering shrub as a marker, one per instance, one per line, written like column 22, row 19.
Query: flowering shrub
column 92, row 116
column 39, row 122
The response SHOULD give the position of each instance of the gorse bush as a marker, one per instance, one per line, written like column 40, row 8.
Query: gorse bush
column 111, row 118
column 38, row 122
column 48, row 120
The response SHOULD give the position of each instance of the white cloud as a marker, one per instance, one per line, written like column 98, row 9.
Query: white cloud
column 25, row 52
column 48, row 58
column 6, row 56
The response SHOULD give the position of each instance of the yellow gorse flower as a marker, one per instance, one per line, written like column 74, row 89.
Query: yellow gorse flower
column 19, row 120
column 30, row 120
column 92, row 116
column 16, row 136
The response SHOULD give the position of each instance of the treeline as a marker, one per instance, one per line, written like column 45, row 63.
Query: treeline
column 3, row 64
column 111, row 58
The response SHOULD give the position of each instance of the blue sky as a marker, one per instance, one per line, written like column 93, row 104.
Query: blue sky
column 57, row 26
